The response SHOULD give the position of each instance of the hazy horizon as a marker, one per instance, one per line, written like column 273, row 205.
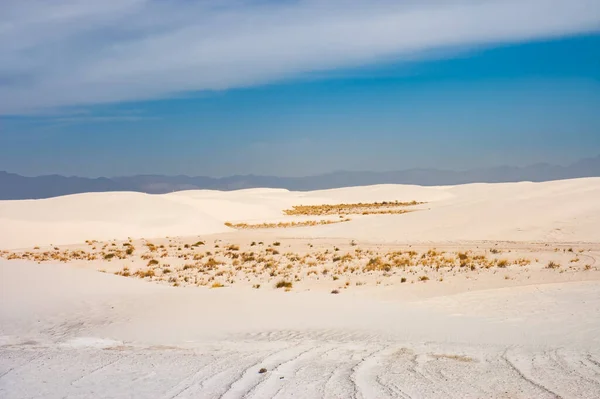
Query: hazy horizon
column 523, row 166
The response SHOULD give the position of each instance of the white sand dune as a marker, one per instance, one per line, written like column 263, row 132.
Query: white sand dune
column 70, row 331
column 566, row 210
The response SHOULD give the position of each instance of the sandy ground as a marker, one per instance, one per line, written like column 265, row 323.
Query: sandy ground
column 78, row 333
column 517, row 331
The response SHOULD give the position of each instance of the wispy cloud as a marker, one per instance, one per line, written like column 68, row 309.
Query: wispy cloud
column 101, row 119
column 75, row 53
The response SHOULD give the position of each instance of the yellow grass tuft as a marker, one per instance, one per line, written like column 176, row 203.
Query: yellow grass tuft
column 358, row 208
column 282, row 225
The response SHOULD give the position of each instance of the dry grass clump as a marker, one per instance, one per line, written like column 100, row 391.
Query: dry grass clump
column 346, row 209
column 125, row 272
column 283, row 284
column 151, row 247
column 145, row 273
column 523, row 262
column 283, row 225
column 458, row 358
column 386, row 212
column 552, row 265
column 377, row 264
column 212, row 263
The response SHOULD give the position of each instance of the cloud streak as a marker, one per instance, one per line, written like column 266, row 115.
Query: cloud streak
column 73, row 53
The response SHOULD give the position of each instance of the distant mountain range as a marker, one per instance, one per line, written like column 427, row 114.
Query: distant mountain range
column 14, row 186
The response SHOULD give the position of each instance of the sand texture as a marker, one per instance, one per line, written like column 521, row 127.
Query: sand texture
column 474, row 291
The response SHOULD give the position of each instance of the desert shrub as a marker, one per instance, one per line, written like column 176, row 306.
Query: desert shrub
column 145, row 273
column 552, row 265
column 283, row 284
column 377, row 264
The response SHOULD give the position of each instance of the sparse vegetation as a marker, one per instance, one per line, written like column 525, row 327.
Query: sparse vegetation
column 347, row 209
column 179, row 264
column 279, row 225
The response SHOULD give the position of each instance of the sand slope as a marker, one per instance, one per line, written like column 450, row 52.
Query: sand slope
column 77, row 333
column 567, row 210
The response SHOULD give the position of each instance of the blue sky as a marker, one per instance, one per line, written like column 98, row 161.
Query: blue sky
column 461, row 86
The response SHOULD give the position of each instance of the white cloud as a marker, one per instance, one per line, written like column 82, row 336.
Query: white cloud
column 75, row 53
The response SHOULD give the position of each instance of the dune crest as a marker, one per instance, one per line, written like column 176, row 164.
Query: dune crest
column 567, row 210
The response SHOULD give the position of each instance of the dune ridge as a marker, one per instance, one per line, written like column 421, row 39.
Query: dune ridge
column 567, row 210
